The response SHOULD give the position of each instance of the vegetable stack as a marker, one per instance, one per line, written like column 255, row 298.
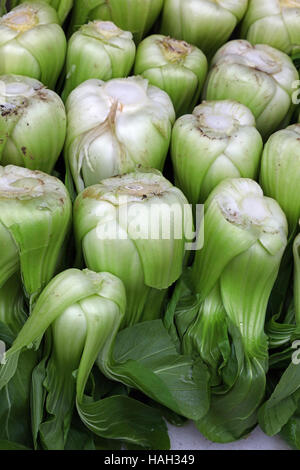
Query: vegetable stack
column 149, row 221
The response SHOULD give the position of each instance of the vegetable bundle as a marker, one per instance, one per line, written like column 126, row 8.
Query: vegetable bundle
column 149, row 221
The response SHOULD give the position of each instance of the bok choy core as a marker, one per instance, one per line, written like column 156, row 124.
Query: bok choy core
column 63, row 7
column 35, row 213
column 260, row 77
column 115, row 126
column 280, row 172
column 32, row 43
column 84, row 310
column 32, row 123
column 245, row 234
column 265, row 17
column 135, row 226
column 206, row 23
column 137, row 16
column 100, row 50
column 219, row 140
column 174, row 66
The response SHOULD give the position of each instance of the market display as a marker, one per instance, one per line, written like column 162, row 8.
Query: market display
column 149, row 222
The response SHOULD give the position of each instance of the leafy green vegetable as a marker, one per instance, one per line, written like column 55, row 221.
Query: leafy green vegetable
column 32, row 42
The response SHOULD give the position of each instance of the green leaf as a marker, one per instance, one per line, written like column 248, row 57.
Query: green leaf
column 146, row 358
column 9, row 445
column 280, row 407
column 125, row 419
column 233, row 410
column 291, row 431
column 15, row 403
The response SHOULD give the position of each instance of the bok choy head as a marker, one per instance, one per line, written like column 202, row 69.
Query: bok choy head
column 32, row 123
column 114, row 126
column 32, row 43
column 260, row 77
column 245, row 235
column 206, row 23
column 35, row 216
column 100, row 50
column 137, row 16
column 280, row 172
column 265, row 17
column 136, row 227
column 174, row 66
column 218, row 141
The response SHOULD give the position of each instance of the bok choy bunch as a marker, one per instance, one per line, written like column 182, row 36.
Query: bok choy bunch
column 280, row 172
column 206, row 23
column 114, row 126
column 218, row 141
column 136, row 227
column 35, row 214
column 137, row 16
column 260, row 77
column 245, row 234
column 32, row 123
column 174, row 66
column 265, row 17
column 32, row 43
column 100, row 50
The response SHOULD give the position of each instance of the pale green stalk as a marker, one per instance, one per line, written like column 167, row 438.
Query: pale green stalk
column 205, row 23
column 32, row 43
column 100, row 50
column 280, row 172
column 115, row 126
column 265, row 17
column 260, row 77
column 32, row 124
column 175, row 66
column 135, row 226
column 35, row 216
column 218, row 141
column 137, row 16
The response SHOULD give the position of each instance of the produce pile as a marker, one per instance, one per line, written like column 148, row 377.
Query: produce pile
column 149, row 221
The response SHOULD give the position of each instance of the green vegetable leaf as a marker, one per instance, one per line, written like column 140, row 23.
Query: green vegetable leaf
column 276, row 412
column 146, row 358
column 125, row 419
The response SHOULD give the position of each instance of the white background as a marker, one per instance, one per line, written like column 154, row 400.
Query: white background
column 188, row 437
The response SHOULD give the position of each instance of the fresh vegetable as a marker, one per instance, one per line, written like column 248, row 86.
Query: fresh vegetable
column 135, row 226
column 84, row 310
column 32, row 43
column 137, row 16
column 174, row 66
column 218, row 141
column 280, row 172
column 100, row 50
column 35, row 213
column 260, row 77
column 32, row 123
column 263, row 18
column 245, row 234
column 205, row 23
column 115, row 126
